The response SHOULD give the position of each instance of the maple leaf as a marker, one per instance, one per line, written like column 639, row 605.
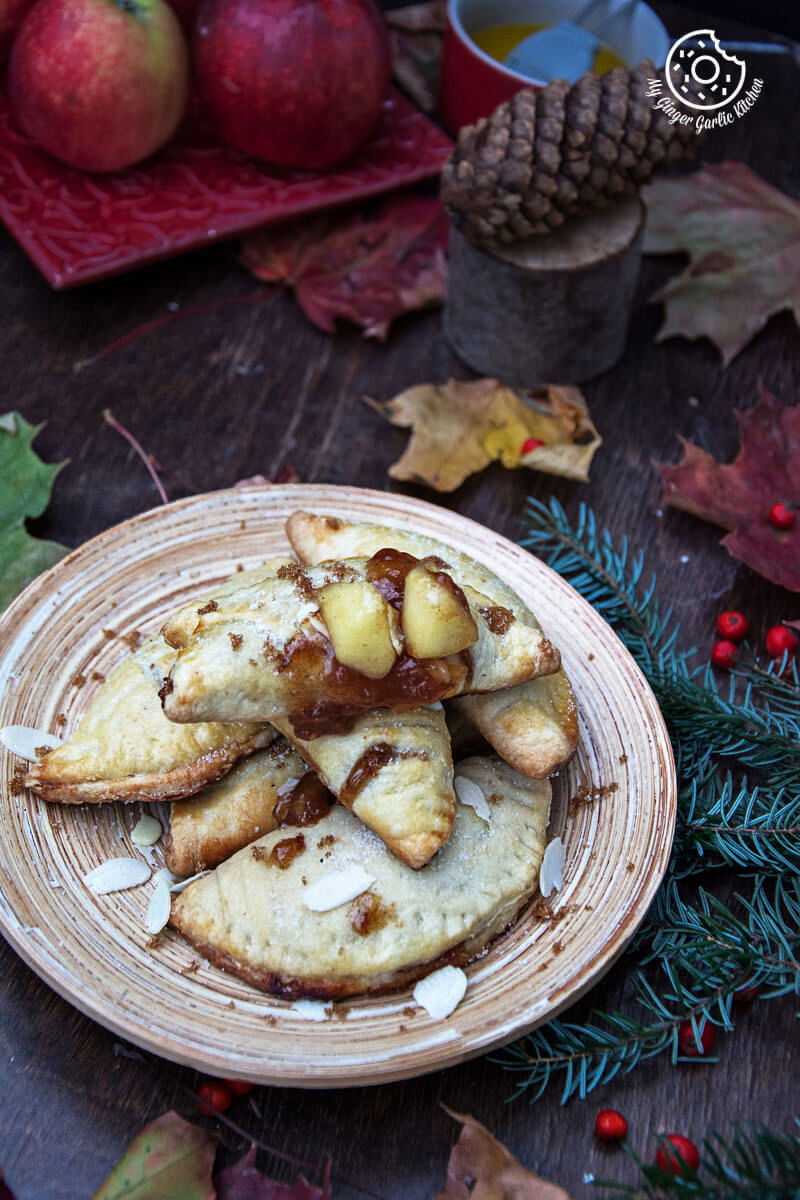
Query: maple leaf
column 368, row 270
column 416, row 33
column 25, row 486
column 743, row 241
column 243, row 1181
column 481, row 1168
column 169, row 1158
column 459, row 428
column 739, row 495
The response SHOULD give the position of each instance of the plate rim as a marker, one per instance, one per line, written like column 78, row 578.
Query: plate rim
column 450, row 1053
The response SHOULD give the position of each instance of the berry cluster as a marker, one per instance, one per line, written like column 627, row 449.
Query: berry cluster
column 611, row 1126
column 732, row 627
column 216, row 1095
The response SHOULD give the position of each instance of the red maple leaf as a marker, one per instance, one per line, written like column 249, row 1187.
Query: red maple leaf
column 368, row 270
column 739, row 495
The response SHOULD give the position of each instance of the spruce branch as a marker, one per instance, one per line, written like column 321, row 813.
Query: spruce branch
column 737, row 751
column 754, row 1163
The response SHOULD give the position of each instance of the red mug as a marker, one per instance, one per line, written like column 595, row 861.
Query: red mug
column 472, row 83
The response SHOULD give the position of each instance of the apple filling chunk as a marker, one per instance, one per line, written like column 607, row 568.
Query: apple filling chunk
column 359, row 620
column 435, row 616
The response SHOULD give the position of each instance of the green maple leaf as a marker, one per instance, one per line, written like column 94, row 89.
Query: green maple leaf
column 169, row 1160
column 25, row 486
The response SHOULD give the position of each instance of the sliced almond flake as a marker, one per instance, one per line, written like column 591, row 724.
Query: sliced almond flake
column 165, row 873
column 469, row 793
column 312, row 1010
column 335, row 888
column 117, row 875
column 440, row 993
column 286, row 787
column 26, row 742
column 551, row 872
column 158, row 909
column 183, row 883
column 146, row 831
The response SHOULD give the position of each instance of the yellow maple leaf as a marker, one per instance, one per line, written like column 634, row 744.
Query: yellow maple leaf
column 461, row 427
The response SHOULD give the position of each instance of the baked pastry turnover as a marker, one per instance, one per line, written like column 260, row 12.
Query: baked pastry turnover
column 395, row 772
column 254, row 914
column 321, row 644
column 125, row 748
column 534, row 725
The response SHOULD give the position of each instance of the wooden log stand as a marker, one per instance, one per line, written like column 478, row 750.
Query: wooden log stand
column 554, row 308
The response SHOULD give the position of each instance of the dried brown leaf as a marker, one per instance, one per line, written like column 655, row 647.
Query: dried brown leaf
column 481, row 1168
column 461, row 427
column 743, row 241
column 739, row 495
column 368, row 270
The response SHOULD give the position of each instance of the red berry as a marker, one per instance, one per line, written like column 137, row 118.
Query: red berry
column 530, row 444
column 687, row 1043
column 782, row 516
column 687, row 1150
column 214, row 1097
column 747, row 993
column 723, row 655
column 732, row 625
column 239, row 1087
column 780, row 641
column 610, row 1126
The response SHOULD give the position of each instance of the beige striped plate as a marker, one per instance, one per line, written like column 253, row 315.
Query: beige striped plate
column 94, row 950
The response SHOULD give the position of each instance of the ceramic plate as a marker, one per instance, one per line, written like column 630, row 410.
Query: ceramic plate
column 614, row 805
column 78, row 227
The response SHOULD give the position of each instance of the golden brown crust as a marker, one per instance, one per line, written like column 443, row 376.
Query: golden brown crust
column 162, row 785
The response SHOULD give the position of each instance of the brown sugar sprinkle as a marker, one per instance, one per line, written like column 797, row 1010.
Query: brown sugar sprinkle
column 193, row 966
column 587, row 794
column 212, row 606
column 40, row 751
column 98, row 675
column 61, row 720
column 331, row 522
column 252, row 662
column 623, row 758
column 409, row 1011
column 109, row 633
column 153, row 942
column 17, row 784
column 495, row 798
column 239, row 568
column 591, row 657
column 269, row 1019
column 557, row 947
column 236, row 640
column 341, row 572
column 78, row 681
column 328, row 840
column 631, row 866
column 297, row 575
column 243, row 524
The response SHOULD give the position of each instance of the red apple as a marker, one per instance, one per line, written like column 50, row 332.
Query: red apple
column 11, row 13
column 296, row 82
column 99, row 83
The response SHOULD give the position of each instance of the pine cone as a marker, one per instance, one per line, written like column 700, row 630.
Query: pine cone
column 547, row 155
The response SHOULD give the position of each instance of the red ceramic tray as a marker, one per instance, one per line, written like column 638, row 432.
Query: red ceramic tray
column 78, row 227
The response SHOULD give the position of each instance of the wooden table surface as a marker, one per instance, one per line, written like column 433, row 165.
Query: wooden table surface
column 252, row 389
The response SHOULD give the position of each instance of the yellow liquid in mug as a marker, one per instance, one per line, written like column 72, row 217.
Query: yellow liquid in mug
column 499, row 40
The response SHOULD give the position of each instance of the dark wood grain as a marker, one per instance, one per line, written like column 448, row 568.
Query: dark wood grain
column 250, row 388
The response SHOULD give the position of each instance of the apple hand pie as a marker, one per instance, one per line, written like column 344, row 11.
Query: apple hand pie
column 125, row 748
column 324, row 643
column 534, row 724
column 270, row 789
column 395, row 772
column 329, row 912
